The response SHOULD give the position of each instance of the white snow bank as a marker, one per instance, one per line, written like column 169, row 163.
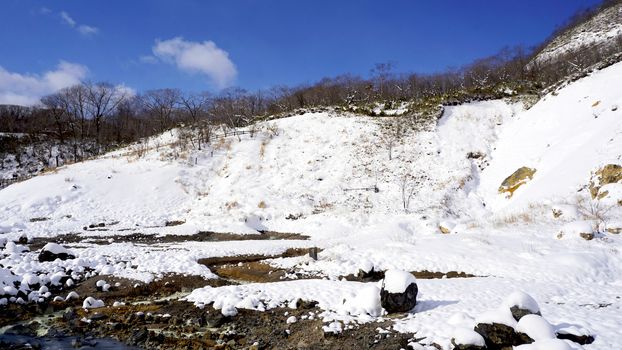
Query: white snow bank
column 330, row 295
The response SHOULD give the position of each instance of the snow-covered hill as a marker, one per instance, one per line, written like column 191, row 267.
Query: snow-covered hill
column 601, row 30
column 345, row 181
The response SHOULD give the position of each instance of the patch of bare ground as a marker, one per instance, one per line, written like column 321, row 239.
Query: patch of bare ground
column 142, row 238
column 181, row 325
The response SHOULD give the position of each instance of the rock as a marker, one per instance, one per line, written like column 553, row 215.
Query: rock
column 500, row 337
column 521, row 304
column 466, row 346
column 517, row 179
column 216, row 319
column 399, row 291
column 53, row 251
column 443, row 229
column 614, row 230
column 138, row 336
column 518, row 313
column 579, row 339
column 588, row 236
column 610, row 173
column 23, row 240
column 305, row 304
column 29, row 330
column 98, row 317
column 467, row 339
column 174, row 222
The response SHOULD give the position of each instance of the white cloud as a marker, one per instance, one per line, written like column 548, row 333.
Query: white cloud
column 198, row 57
column 45, row 11
column 27, row 89
column 87, row 30
column 67, row 19
column 83, row 29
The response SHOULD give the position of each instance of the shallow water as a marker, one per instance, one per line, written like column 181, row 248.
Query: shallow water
column 11, row 341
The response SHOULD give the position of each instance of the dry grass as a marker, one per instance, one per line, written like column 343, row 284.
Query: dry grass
column 231, row 205
column 262, row 205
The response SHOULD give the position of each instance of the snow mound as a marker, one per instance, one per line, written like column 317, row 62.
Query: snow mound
column 396, row 281
column 466, row 336
column 523, row 301
column 536, row 327
column 92, row 303
column 56, row 249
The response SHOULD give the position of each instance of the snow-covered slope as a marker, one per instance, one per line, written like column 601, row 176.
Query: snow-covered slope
column 565, row 137
column 601, row 30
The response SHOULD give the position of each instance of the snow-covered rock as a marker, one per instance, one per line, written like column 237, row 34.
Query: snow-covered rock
column 399, row 291
column 521, row 304
column 92, row 303
column 536, row 327
column 53, row 251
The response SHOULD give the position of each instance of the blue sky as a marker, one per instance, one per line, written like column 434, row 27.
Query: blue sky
column 208, row 45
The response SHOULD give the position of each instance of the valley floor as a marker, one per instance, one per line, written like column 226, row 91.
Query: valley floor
column 214, row 244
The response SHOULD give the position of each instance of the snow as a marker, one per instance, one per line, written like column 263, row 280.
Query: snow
column 548, row 344
column 523, row 301
column 55, row 248
column 92, row 303
column 315, row 172
column 396, row 281
column 536, row 327
column 466, row 336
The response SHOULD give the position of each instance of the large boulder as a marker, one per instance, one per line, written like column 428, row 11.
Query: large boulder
column 499, row 336
column 399, row 291
column 517, row 179
column 609, row 174
column 53, row 251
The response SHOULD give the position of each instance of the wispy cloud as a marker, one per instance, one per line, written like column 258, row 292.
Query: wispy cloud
column 27, row 89
column 67, row 19
column 45, row 11
column 85, row 30
column 198, row 57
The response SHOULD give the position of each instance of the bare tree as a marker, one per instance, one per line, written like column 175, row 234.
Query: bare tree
column 102, row 100
column 392, row 133
column 195, row 106
column 161, row 104
column 56, row 107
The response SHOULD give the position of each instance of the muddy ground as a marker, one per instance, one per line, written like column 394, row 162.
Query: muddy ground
column 152, row 316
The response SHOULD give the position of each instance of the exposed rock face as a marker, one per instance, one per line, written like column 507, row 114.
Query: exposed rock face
column 501, row 337
column 517, row 179
column 609, row 174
